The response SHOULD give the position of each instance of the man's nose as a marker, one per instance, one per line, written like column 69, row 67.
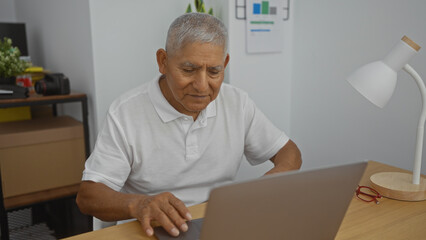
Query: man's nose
column 201, row 83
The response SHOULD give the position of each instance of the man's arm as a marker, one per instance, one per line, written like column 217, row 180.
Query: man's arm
column 98, row 200
column 288, row 158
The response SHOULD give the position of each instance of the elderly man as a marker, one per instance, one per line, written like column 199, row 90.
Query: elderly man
column 167, row 143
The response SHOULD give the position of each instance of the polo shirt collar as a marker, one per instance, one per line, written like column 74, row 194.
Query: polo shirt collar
column 166, row 111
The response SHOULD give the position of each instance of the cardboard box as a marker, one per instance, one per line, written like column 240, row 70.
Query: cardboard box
column 40, row 154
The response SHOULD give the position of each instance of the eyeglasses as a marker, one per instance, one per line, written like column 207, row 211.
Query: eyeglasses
column 367, row 194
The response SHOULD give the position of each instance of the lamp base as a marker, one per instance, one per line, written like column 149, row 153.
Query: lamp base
column 399, row 186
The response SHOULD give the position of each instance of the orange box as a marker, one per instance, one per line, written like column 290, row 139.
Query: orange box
column 40, row 154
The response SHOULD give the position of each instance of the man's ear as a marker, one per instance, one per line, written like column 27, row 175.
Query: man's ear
column 162, row 60
column 226, row 60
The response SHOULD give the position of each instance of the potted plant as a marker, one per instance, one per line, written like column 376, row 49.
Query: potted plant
column 199, row 7
column 10, row 64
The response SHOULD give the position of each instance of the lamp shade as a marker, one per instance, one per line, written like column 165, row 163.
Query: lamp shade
column 376, row 81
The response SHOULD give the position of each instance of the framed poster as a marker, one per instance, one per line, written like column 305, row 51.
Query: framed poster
column 265, row 25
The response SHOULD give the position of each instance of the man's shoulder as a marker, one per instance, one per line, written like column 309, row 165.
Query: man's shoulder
column 231, row 93
column 229, row 90
column 133, row 96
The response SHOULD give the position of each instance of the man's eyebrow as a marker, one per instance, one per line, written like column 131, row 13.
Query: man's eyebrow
column 216, row 68
column 188, row 64
column 194, row 66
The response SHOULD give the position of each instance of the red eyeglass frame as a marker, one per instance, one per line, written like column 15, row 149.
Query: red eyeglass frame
column 373, row 197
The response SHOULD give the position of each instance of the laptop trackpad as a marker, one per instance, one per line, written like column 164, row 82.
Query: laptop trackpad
column 193, row 233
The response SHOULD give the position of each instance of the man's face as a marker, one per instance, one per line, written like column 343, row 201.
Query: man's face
column 194, row 75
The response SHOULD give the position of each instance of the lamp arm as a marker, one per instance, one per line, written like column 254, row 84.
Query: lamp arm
column 420, row 128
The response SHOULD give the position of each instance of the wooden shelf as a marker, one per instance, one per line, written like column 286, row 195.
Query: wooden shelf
column 47, row 195
column 37, row 98
column 42, row 196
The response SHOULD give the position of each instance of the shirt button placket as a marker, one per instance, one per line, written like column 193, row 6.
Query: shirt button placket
column 191, row 145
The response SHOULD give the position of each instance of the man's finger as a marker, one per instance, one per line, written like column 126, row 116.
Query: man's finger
column 180, row 207
column 167, row 224
column 146, row 225
column 175, row 217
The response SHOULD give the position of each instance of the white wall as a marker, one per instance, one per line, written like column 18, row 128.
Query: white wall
column 330, row 121
column 126, row 35
column 265, row 76
column 59, row 39
column 7, row 11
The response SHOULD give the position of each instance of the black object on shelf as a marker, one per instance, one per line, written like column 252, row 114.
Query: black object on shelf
column 53, row 84
column 13, row 91
column 7, row 80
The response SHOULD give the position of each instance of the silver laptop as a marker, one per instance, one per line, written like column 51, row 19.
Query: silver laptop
column 294, row 205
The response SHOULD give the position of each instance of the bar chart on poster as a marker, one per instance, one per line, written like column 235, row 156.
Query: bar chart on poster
column 265, row 25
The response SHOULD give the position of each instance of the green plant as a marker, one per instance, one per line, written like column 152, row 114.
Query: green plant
column 199, row 6
column 10, row 64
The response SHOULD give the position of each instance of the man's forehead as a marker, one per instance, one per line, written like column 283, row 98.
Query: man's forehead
column 192, row 47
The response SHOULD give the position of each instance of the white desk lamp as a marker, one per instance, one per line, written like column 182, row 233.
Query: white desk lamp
column 376, row 81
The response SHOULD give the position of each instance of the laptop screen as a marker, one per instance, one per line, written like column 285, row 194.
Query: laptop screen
column 294, row 205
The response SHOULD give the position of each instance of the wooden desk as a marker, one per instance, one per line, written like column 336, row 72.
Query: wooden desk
column 390, row 219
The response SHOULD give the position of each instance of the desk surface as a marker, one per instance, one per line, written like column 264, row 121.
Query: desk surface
column 391, row 219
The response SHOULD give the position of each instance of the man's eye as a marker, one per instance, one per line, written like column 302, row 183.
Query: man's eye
column 188, row 70
column 214, row 73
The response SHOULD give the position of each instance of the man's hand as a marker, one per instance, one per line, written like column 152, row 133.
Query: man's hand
column 170, row 212
column 98, row 200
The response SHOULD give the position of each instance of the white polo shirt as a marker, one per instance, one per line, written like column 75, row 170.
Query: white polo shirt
column 148, row 147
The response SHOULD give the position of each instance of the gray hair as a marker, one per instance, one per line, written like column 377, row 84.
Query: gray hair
column 196, row 27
